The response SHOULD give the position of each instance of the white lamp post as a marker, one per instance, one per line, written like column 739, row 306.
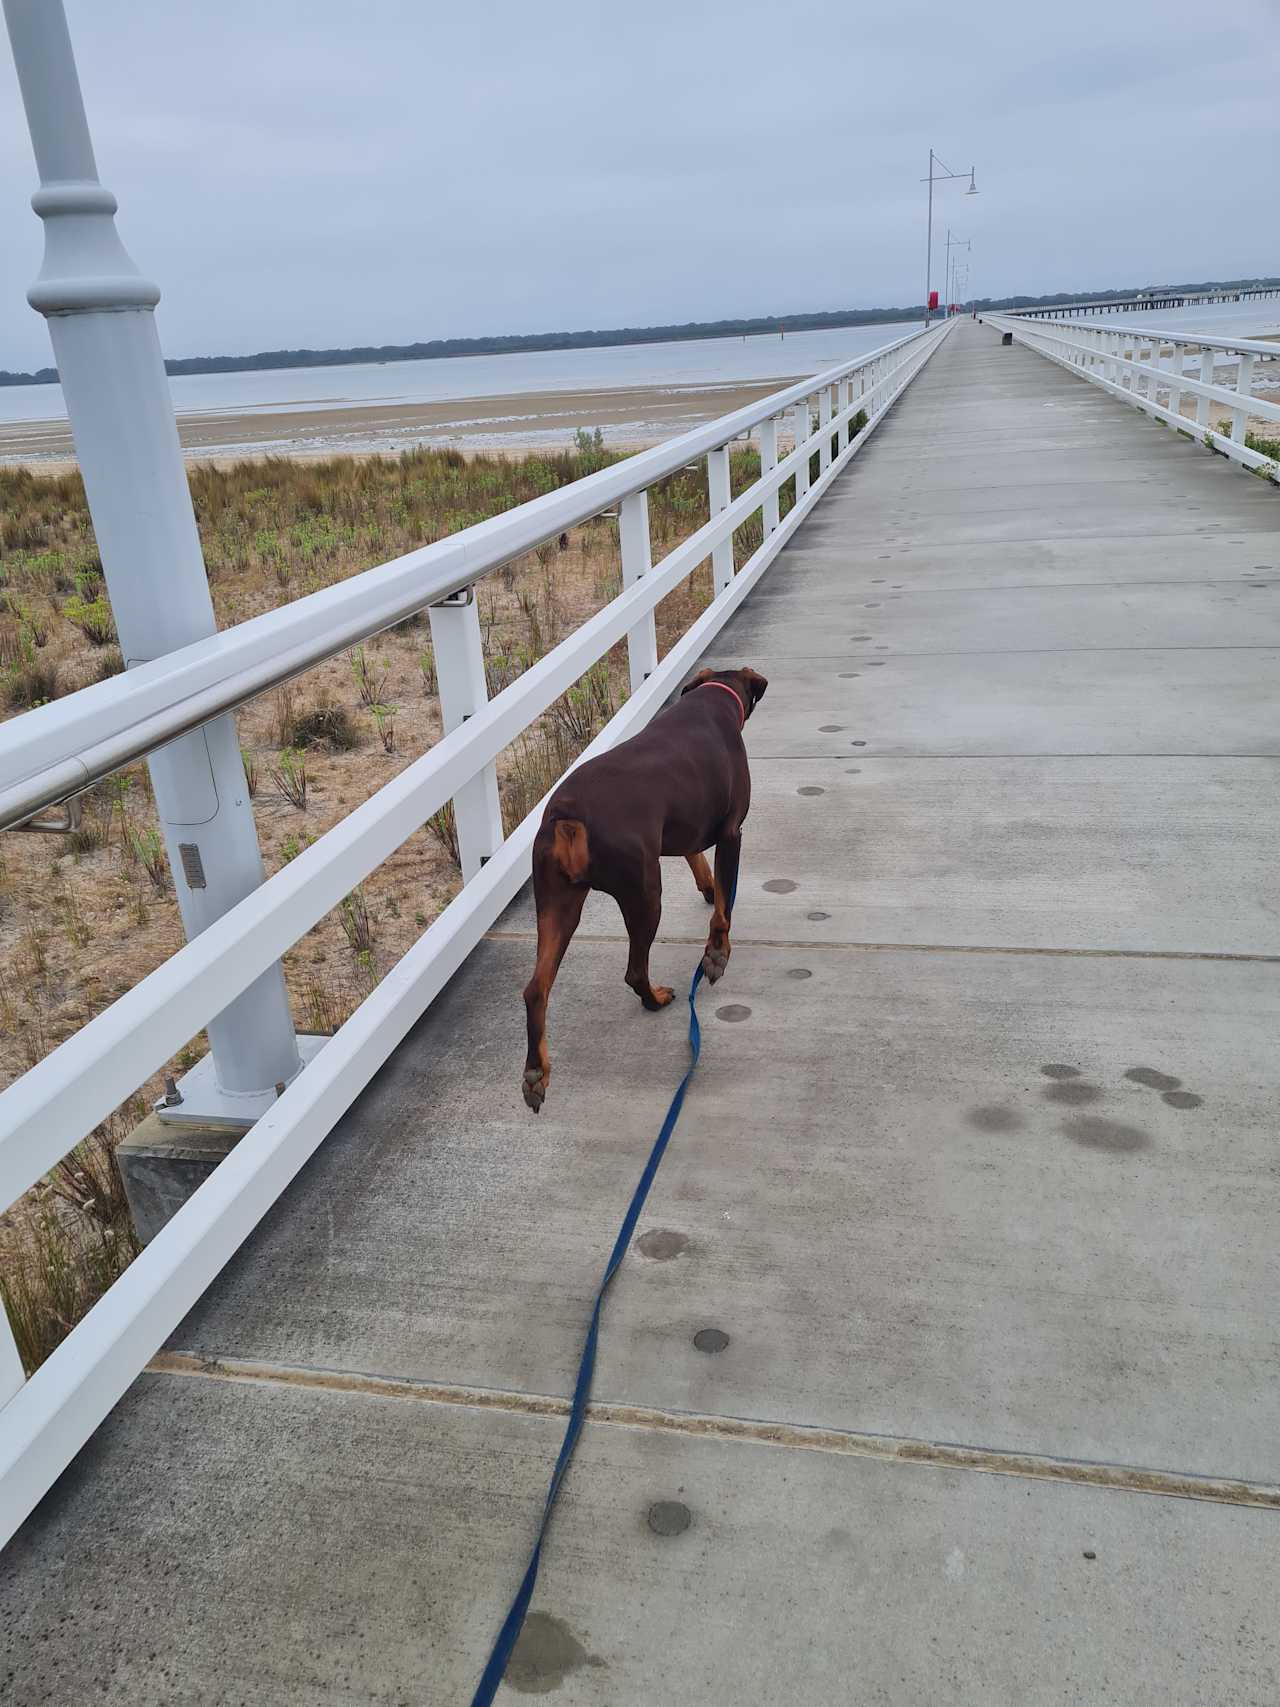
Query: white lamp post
column 940, row 176
column 102, row 327
column 953, row 266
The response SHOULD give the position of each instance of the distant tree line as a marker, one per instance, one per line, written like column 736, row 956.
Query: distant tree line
column 510, row 343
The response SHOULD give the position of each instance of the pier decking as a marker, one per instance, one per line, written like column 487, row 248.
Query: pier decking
column 977, row 1175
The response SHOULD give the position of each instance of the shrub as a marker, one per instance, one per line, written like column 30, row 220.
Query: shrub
column 31, row 684
column 322, row 725
column 93, row 618
column 110, row 663
column 147, row 849
column 290, row 777
column 443, row 825
column 69, row 1240
column 356, row 922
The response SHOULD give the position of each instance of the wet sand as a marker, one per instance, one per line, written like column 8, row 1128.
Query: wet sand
column 629, row 417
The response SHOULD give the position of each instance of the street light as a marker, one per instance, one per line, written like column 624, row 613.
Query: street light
column 953, row 266
column 946, row 172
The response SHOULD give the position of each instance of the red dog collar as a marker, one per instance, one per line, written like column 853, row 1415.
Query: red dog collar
column 736, row 697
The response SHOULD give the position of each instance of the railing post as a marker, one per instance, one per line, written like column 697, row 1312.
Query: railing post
column 718, row 501
column 842, row 403
column 824, row 428
column 1244, row 387
column 102, row 326
column 459, row 655
column 1175, row 378
column 1206, row 378
column 802, row 428
column 768, row 462
column 637, row 560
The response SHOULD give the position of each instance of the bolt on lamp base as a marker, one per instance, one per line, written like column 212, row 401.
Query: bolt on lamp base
column 201, row 1102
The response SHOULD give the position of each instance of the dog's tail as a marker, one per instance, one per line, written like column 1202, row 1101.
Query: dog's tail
column 569, row 848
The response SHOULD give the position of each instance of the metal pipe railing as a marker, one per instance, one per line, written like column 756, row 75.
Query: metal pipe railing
column 1112, row 357
column 59, row 749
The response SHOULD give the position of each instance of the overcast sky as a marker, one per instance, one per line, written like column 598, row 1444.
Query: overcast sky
column 330, row 173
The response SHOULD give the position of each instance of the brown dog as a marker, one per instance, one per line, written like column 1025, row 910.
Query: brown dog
column 679, row 787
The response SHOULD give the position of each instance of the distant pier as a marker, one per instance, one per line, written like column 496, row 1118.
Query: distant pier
column 1149, row 299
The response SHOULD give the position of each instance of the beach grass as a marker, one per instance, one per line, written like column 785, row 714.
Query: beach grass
column 84, row 917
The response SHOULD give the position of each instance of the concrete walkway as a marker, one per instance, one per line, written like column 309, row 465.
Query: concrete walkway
column 978, row 1177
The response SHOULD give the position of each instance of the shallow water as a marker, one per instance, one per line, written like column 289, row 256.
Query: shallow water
column 674, row 372
column 704, row 361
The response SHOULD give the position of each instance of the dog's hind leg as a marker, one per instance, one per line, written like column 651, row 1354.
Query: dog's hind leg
column 641, row 912
column 716, row 957
column 559, row 910
column 702, row 877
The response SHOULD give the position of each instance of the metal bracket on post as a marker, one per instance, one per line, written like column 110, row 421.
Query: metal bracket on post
column 459, row 653
column 72, row 813
column 637, row 560
column 718, row 497
column 768, row 462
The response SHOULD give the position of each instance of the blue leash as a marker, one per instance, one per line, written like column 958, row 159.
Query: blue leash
column 492, row 1676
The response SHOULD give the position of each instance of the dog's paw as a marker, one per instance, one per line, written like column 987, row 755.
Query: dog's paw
column 535, row 1088
column 659, row 996
column 714, row 962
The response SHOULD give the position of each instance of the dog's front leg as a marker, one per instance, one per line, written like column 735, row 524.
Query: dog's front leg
column 716, row 957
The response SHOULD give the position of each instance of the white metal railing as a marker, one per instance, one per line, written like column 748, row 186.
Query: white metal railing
column 45, row 1113
column 1150, row 367
column 61, row 748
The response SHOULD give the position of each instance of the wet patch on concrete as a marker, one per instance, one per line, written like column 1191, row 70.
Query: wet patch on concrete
column 711, row 1340
column 1092, row 1132
column 810, row 791
column 994, row 1117
column 669, row 1517
column 546, row 1652
column 1153, row 1080
column 799, row 972
column 817, row 917
column 830, row 728
column 1182, row 1099
column 1060, row 1070
column 734, row 1013
column 779, row 886
column 1073, row 1092
column 660, row 1244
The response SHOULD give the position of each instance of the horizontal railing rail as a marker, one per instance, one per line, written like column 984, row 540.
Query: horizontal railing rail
column 46, row 1112
column 62, row 748
column 1130, row 362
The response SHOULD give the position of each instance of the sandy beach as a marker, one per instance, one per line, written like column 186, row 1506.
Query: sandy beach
column 630, row 417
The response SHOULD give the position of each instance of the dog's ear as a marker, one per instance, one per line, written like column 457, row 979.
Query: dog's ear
column 755, row 685
column 697, row 681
